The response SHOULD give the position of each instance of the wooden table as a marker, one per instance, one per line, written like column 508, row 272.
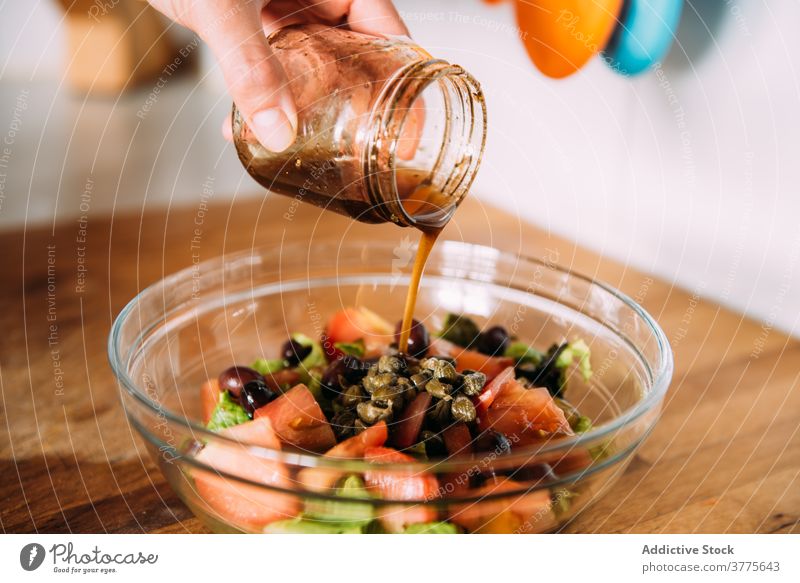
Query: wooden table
column 725, row 457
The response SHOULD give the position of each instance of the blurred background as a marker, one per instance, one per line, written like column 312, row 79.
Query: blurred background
column 690, row 171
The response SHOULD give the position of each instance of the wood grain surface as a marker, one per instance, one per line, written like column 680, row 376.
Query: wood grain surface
column 725, row 457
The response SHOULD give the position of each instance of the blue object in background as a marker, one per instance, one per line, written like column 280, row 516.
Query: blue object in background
column 644, row 35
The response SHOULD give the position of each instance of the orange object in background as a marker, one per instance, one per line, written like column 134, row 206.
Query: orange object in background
column 562, row 35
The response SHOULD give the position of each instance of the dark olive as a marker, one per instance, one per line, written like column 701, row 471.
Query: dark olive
column 493, row 341
column 331, row 379
column 545, row 376
column 536, row 473
column 502, row 445
column 418, row 339
column 440, row 414
column 293, row 352
column 255, row 394
column 354, row 368
column 349, row 368
column 233, row 379
column 434, row 444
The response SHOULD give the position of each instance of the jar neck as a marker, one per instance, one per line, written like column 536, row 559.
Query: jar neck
column 424, row 144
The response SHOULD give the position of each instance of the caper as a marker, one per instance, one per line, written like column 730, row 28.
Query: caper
column 391, row 364
column 438, row 389
column 463, row 409
column 473, row 383
column 342, row 423
column 420, row 379
column 374, row 381
column 406, row 388
column 387, row 395
column 370, row 412
column 443, row 370
column 352, row 396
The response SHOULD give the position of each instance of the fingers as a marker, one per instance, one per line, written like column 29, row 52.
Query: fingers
column 254, row 77
column 281, row 13
column 376, row 17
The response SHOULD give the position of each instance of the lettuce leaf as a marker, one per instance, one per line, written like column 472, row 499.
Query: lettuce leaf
column 227, row 413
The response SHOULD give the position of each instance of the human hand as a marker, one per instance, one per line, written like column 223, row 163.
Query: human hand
column 237, row 30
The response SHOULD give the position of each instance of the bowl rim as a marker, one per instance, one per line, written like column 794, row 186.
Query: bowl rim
column 661, row 377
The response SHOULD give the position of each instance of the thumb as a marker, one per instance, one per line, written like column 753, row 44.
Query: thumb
column 254, row 77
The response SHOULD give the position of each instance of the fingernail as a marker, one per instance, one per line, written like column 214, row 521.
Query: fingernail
column 273, row 129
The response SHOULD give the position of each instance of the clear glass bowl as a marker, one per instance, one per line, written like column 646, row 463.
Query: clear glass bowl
column 190, row 326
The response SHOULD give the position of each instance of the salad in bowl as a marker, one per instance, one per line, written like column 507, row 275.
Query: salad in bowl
column 268, row 411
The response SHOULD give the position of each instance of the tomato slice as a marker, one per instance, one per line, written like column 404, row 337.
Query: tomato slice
column 298, row 420
column 458, row 440
column 523, row 414
column 322, row 479
column 525, row 512
column 487, row 396
column 397, row 485
column 245, row 506
column 400, row 485
column 409, row 424
column 354, row 447
column 466, row 359
column 491, row 366
column 351, row 324
column 209, row 397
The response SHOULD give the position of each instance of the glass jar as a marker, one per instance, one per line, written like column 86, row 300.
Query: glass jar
column 385, row 131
